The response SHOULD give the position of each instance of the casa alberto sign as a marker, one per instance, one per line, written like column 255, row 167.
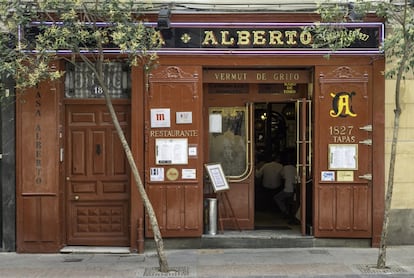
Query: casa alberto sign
column 254, row 36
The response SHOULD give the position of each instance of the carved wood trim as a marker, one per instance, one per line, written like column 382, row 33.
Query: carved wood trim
column 172, row 73
column 343, row 74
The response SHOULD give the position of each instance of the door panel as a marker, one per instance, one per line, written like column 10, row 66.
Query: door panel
column 304, row 161
column 343, row 208
column 326, row 217
column 343, row 191
column 174, row 114
column 97, row 191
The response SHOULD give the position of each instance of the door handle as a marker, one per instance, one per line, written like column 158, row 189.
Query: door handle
column 76, row 198
column 366, row 177
column 366, row 128
column 98, row 149
column 367, row 142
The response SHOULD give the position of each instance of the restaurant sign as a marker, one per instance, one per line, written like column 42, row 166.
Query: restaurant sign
column 254, row 36
column 247, row 37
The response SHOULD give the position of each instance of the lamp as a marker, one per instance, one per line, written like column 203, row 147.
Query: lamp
column 353, row 14
column 163, row 21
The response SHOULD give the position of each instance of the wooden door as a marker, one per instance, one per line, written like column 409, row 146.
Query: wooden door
column 343, row 152
column 173, row 150
column 97, row 177
column 304, row 161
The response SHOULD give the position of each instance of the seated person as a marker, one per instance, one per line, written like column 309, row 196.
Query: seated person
column 288, row 174
column 271, row 180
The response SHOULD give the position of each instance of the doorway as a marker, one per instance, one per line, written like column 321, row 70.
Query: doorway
column 275, row 146
column 246, row 125
column 97, row 177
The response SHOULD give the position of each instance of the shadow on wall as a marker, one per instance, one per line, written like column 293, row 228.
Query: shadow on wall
column 401, row 227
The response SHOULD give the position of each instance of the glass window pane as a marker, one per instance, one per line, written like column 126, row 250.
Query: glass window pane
column 227, row 139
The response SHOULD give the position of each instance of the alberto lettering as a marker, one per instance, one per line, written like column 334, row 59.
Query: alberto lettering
column 256, row 38
column 245, row 38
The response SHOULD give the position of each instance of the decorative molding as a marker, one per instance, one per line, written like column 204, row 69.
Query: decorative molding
column 343, row 74
column 174, row 74
column 171, row 73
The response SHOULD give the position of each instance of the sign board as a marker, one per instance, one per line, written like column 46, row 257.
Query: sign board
column 217, row 177
column 171, row 151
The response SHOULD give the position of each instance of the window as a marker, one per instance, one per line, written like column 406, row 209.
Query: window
column 80, row 81
column 228, row 139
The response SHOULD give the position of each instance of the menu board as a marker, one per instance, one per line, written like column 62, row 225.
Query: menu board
column 343, row 156
column 170, row 151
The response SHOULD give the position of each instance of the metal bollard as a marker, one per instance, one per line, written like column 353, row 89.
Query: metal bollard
column 210, row 216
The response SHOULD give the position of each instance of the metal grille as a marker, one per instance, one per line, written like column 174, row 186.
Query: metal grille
column 372, row 269
column 80, row 81
column 174, row 272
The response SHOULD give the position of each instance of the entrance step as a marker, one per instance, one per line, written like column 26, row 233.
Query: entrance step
column 255, row 239
column 94, row 250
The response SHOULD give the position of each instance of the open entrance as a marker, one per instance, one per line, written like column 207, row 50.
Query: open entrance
column 251, row 122
column 279, row 136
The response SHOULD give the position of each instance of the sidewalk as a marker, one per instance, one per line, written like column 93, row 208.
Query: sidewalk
column 268, row 262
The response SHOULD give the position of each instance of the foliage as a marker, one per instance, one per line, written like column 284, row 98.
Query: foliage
column 399, row 42
column 38, row 32
column 48, row 28
column 332, row 31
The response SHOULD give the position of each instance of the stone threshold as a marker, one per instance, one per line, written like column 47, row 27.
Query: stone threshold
column 94, row 250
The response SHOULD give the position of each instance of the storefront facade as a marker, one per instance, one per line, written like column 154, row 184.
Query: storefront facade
column 230, row 90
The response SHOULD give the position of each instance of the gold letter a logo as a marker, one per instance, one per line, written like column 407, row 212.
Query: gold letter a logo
column 342, row 105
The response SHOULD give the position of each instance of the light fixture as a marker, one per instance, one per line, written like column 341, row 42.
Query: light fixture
column 163, row 21
column 353, row 14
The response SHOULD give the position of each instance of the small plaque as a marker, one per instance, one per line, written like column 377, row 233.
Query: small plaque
column 188, row 174
column 172, row 174
column 327, row 176
column 184, row 117
column 345, row 175
column 157, row 174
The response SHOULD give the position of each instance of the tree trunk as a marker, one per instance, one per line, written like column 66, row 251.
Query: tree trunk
column 154, row 223
column 381, row 261
column 162, row 259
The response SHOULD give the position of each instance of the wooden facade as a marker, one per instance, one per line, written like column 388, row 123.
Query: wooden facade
column 73, row 184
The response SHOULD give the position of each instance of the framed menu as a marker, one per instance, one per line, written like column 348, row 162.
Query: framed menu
column 170, row 151
column 343, row 157
column 217, row 177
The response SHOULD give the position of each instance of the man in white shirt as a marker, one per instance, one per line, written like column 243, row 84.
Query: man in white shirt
column 288, row 174
column 270, row 173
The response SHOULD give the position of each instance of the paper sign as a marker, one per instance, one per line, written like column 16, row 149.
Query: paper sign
column 171, row 151
column 157, row 174
column 345, row 175
column 184, row 117
column 343, row 156
column 188, row 174
column 215, row 123
column 327, row 176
